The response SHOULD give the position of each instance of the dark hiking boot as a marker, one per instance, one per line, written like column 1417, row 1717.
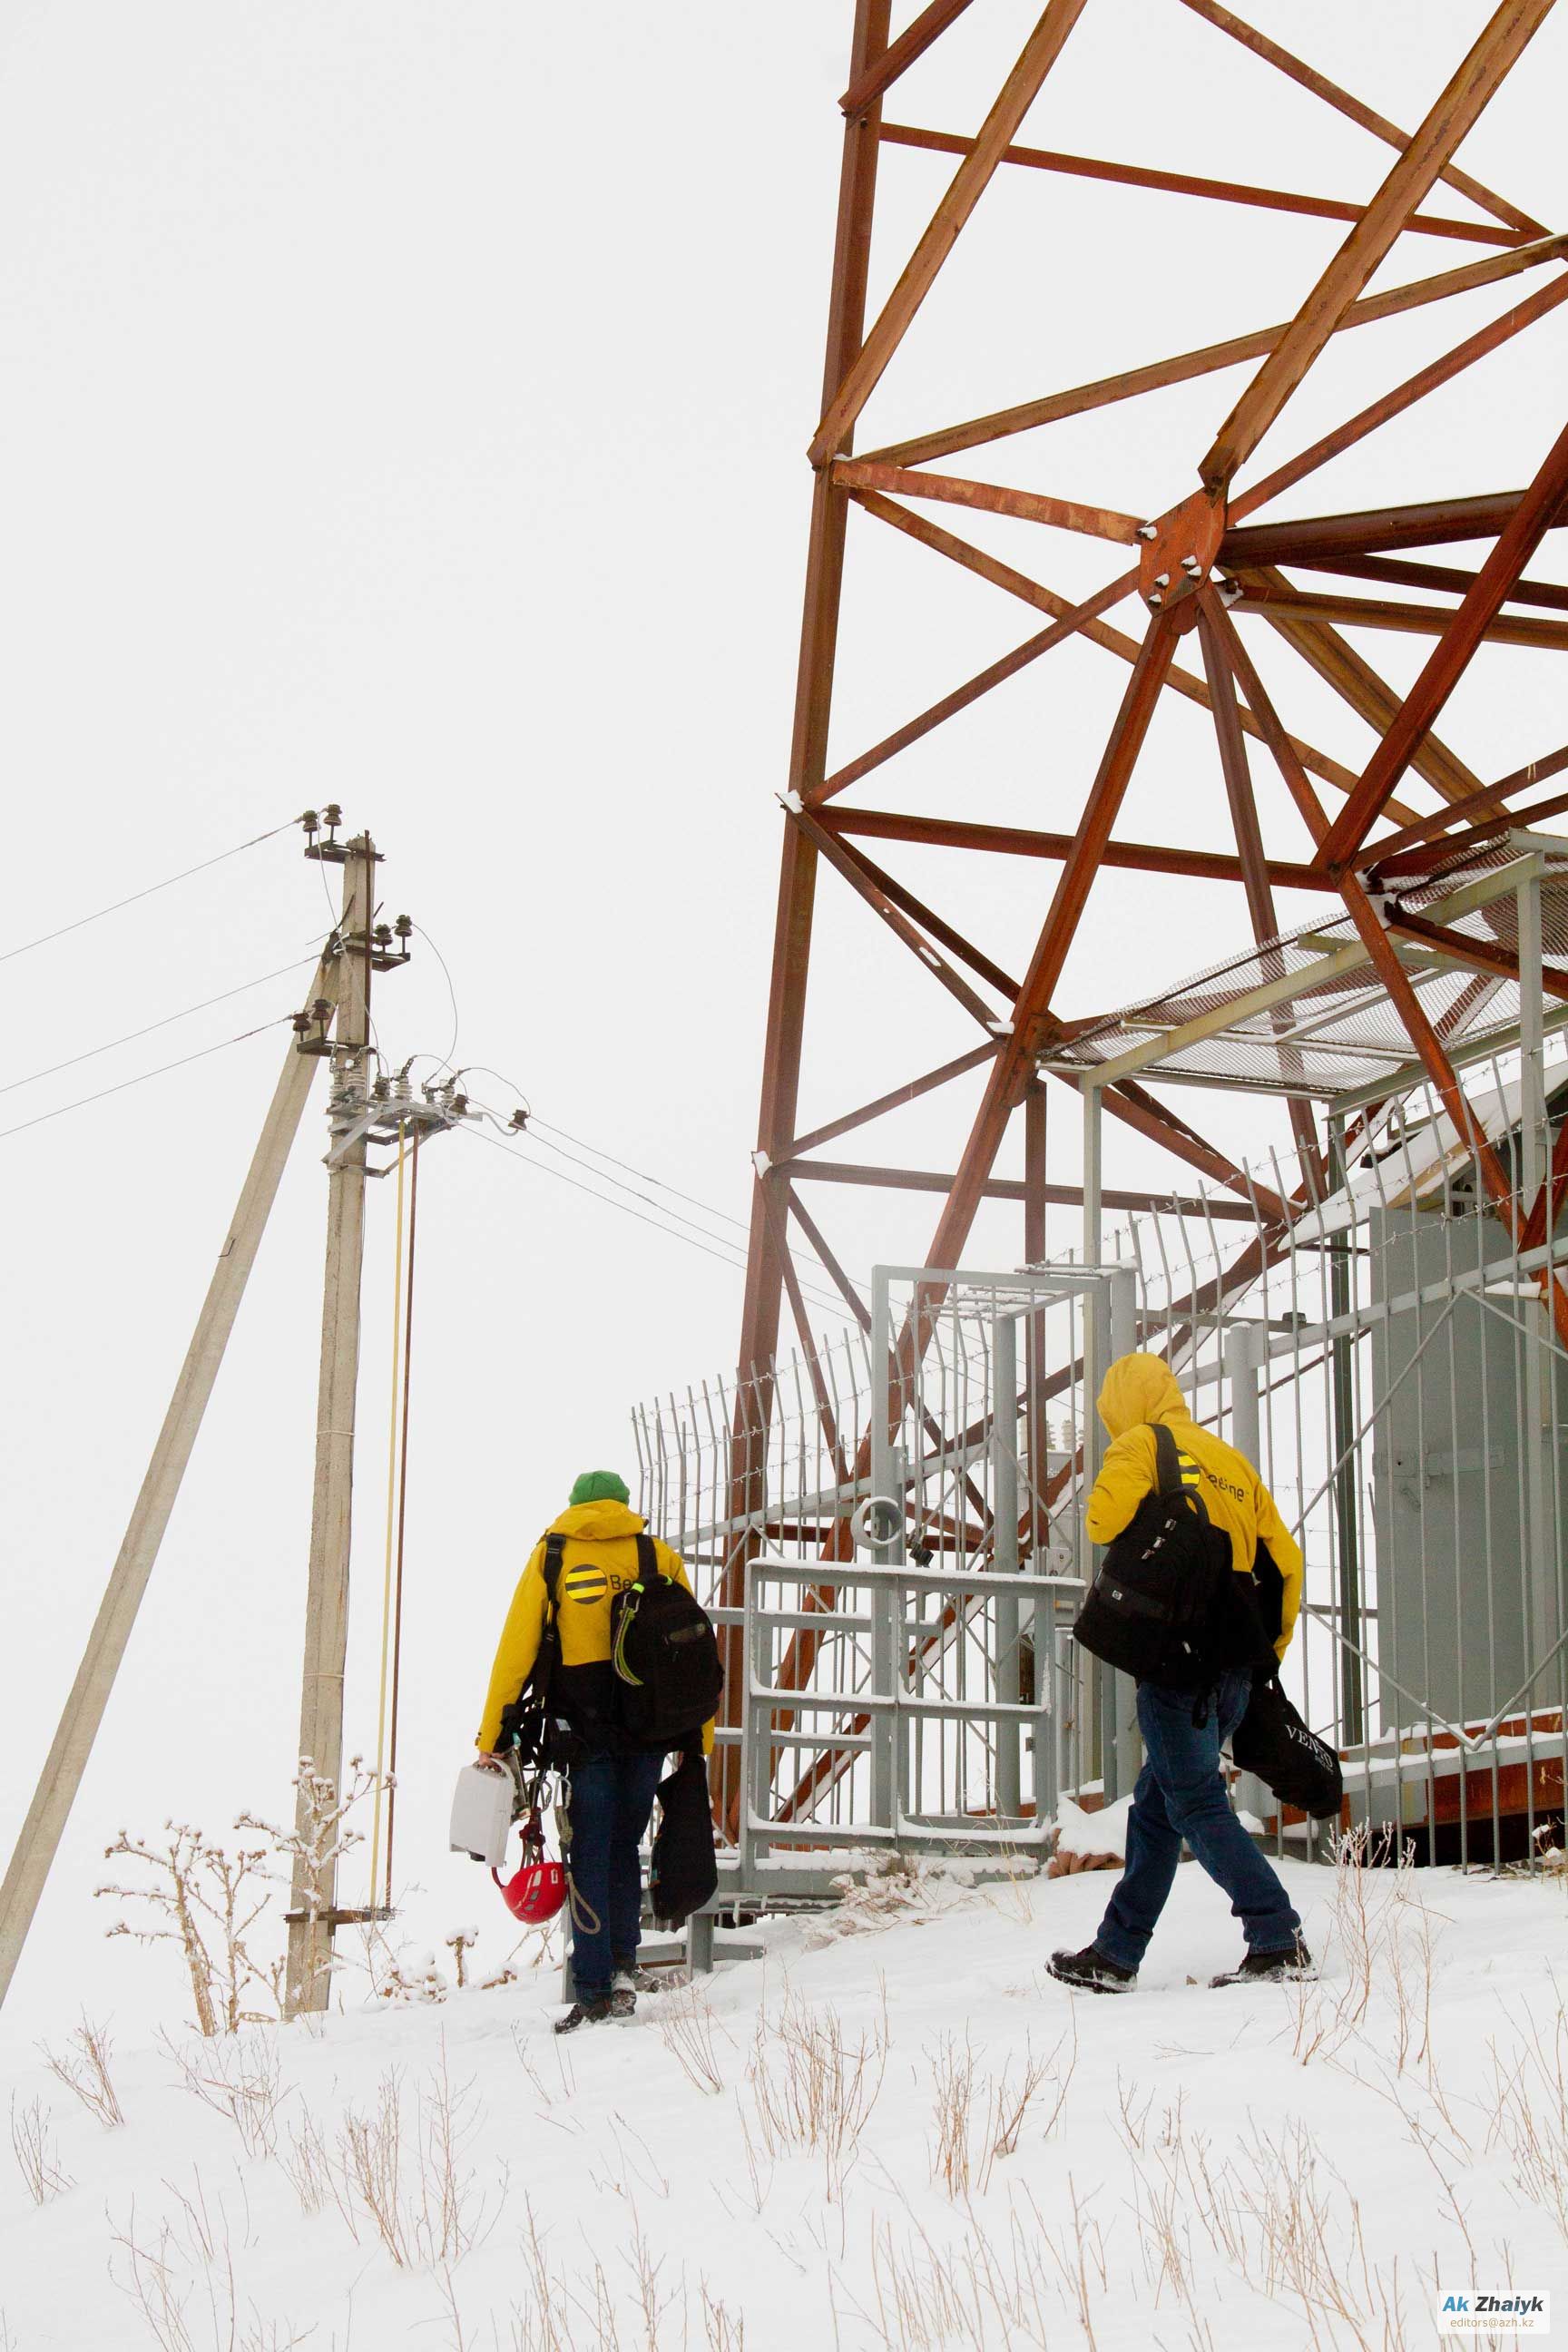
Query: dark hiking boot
column 1294, row 1960
column 1090, row 1971
column 588, row 2012
column 622, row 2000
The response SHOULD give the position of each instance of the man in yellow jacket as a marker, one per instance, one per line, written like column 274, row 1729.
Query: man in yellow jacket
column 614, row 1783
column 1180, row 1791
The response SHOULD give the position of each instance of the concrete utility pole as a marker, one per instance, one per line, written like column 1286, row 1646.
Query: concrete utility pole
column 67, row 1760
column 313, row 1912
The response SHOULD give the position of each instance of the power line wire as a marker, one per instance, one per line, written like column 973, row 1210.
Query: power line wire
column 616, row 1181
column 151, row 891
column 801, row 1256
column 738, row 1263
column 535, row 1124
column 446, row 1061
column 631, row 1170
column 199, row 1055
column 131, row 1035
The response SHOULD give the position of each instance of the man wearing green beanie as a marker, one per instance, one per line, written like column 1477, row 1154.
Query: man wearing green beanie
column 612, row 1785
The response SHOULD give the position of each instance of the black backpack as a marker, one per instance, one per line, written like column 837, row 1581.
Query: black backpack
column 1154, row 1606
column 684, row 1871
column 1272, row 1742
column 666, row 1657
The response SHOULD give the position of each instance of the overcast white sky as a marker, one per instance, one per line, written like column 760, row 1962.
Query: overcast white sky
column 404, row 404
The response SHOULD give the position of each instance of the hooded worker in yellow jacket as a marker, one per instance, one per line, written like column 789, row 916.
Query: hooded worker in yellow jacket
column 613, row 1784
column 1140, row 1391
column 1181, row 1794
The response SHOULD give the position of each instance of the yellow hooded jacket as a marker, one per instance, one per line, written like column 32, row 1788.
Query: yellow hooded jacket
column 598, row 1561
column 1140, row 1389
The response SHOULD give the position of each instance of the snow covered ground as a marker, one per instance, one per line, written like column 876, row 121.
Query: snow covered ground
column 908, row 2137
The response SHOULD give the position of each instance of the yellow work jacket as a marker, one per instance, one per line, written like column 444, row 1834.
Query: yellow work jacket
column 1140, row 1389
column 598, row 1559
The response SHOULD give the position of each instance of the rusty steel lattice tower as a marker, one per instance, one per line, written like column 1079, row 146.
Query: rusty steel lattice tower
column 1216, row 554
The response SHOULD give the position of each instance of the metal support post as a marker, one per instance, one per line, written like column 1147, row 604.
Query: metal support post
column 1005, row 1555
column 321, row 1751
column 68, row 1759
column 1100, row 1679
column 1037, row 1417
column 1092, row 1237
column 1242, row 1357
column 1347, row 1527
column 700, row 1943
column 757, row 1718
column 1541, row 1565
column 1127, row 1741
column 887, row 1602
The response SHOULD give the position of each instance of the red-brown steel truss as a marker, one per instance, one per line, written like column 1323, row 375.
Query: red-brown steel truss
column 1193, row 573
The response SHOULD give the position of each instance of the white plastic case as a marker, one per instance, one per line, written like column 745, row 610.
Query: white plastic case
column 482, row 1814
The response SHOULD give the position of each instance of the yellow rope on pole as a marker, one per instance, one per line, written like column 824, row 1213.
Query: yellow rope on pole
column 391, row 1529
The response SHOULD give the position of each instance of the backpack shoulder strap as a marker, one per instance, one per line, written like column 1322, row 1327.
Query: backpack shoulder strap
column 1178, row 1473
column 554, row 1551
column 647, row 1558
column 1167, row 1459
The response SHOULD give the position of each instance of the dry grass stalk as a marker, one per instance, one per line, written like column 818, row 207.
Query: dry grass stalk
column 690, row 2032
column 240, row 2077
column 421, row 2198
column 36, row 2153
column 83, row 2068
column 975, row 2292
column 182, row 2286
column 979, row 2119
column 309, row 2166
column 1530, row 2119
column 724, row 2330
column 812, row 2088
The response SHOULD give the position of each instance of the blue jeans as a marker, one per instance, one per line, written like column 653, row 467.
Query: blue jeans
column 612, row 1798
column 1180, row 1794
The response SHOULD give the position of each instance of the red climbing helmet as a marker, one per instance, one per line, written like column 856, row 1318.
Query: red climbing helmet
column 535, row 1893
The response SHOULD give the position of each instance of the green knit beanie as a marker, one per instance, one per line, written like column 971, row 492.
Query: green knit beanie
column 601, row 1486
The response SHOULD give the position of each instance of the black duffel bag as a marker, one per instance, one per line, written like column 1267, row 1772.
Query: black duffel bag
column 684, row 1871
column 1153, row 1608
column 1272, row 1742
